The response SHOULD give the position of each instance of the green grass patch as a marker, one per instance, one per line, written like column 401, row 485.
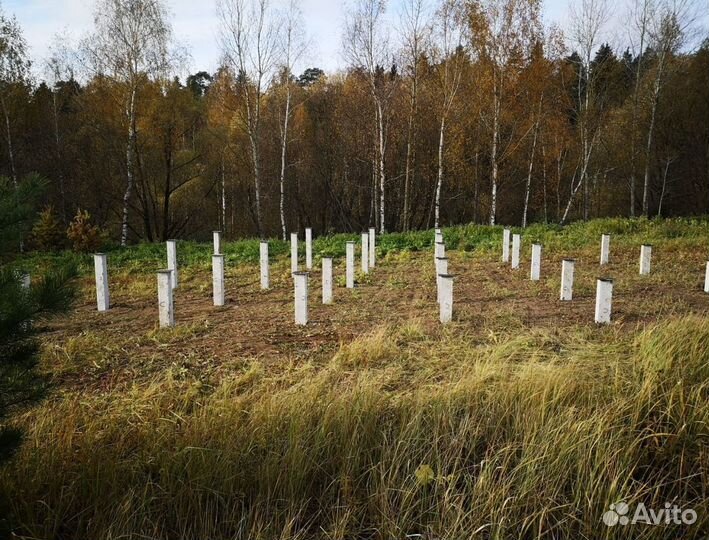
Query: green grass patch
column 681, row 233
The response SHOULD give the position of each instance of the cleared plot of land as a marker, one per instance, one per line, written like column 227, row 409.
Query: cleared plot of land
column 521, row 419
column 491, row 300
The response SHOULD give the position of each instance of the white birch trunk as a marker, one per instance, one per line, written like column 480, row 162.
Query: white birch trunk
column 130, row 164
column 382, row 176
column 223, row 216
column 410, row 150
column 58, row 144
column 284, row 148
column 441, row 135
column 650, row 132
column 493, row 156
column 528, row 187
column 10, row 152
column 636, row 95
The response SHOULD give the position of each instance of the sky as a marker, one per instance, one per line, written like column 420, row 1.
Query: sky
column 195, row 26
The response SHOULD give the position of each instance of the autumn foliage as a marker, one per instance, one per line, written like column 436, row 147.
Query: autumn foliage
column 84, row 237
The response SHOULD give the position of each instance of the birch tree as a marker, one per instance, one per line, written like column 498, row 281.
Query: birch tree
column 130, row 43
column 249, row 32
column 221, row 103
column 668, row 26
column 59, row 68
column 589, row 18
column 415, row 34
column 536, row 88
column 535, row 136
column 449, row 58
column 545, row 101
column 14, row 70
column 501, row 34
column 640, row 16
column 366, row 47
column 293, row 46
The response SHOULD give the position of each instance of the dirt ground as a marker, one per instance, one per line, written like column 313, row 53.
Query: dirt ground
column 124, row 345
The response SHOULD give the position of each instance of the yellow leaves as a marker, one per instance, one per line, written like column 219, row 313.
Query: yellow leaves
column 424, row 475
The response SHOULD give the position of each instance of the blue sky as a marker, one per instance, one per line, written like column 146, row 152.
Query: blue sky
column 195, row 25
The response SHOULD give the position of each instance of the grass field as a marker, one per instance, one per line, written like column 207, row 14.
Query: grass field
column 521, row 419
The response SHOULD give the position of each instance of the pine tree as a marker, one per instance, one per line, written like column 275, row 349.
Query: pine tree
column 22, row 307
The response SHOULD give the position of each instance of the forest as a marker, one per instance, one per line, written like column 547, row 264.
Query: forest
column 464, row 111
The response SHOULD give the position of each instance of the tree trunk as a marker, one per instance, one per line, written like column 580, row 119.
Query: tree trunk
column 60, row 166
column 559, row 167
column 650, row 132
column 11, row 155
column 373, row 215
column 476, row 199
column 257, row 184
column 146, row 200
column 437, row 218
column 223, row 214
column 410, row 153
column 586, row 158
column 585, row 196
column 586, row 147
column 10, row 152
column 528, row 187
column 253, row 117
column 574, row 189
column 584, row 173
column 664, row 187
column 493, row 155
column 584, row 170
column 167, row 193
column 382, row 177
column 544, row 182
column 284, row 147
column 634, row 121
column 130, row 164
column 634, row 135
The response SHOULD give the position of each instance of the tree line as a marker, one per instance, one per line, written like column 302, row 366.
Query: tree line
column 457, row 111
